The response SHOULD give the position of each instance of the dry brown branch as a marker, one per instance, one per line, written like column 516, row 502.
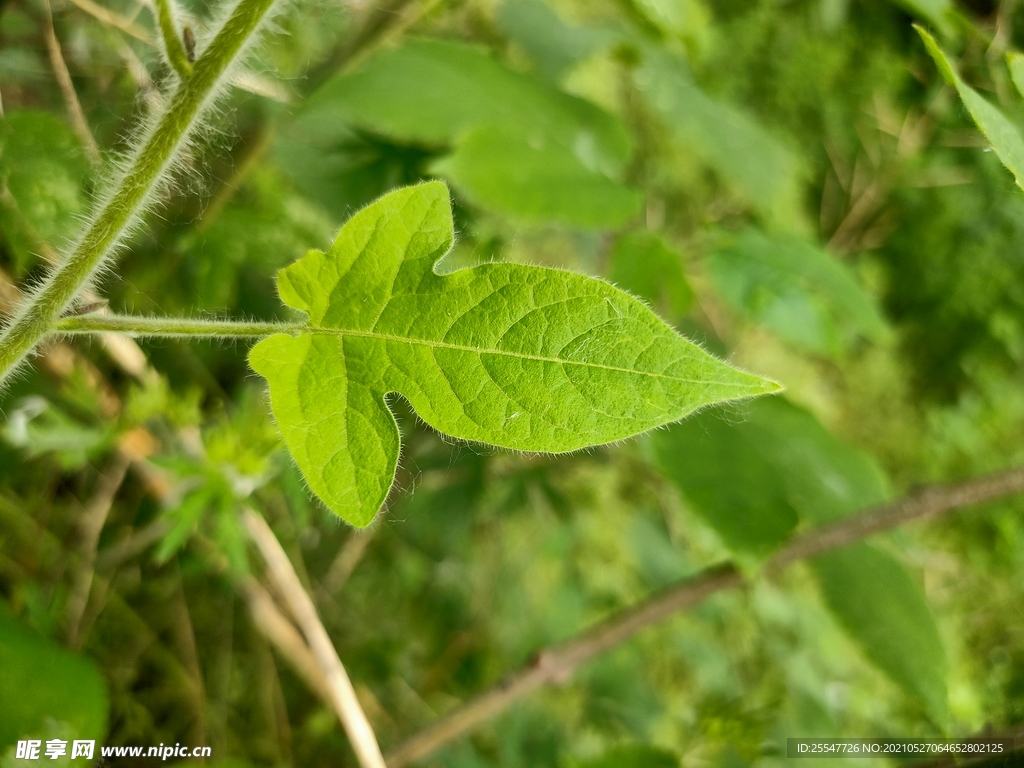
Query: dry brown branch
column 112, row 19
column 132, row 546
column 347, row 559
column 343, row 696
column 285, row 637
column 185, row 642
column 67, row 91
column 557, row 664
column 90, row 525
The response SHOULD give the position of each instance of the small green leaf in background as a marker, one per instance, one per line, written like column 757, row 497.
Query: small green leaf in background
column 537, row 179
column 646, row 266
column 1003, row 135
column 757, row 165
column 795, row 289
column 42, row 163
column 632, row 756
column 885, row 611
column 520, row 357
column 39, row 680
column 752, row 472
column 184, row 518
column 40, row 427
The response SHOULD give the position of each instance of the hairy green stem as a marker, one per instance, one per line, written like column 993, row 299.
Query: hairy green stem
column 150, row 164
column 172, row 327
column 176, row 54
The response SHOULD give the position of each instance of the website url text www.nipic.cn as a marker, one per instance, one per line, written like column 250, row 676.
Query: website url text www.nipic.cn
column 37, row 749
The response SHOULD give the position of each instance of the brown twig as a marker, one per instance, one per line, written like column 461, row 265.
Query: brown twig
column 557, row 664
column 285, row 637
column 67, row 90
column 90, row 525
column 342, row 694
column 347, row 559
column 185, row 642
column 112, row 19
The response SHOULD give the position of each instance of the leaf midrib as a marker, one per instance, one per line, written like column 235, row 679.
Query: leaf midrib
column 321, row 331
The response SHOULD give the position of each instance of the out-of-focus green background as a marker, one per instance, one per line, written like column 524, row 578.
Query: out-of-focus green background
column 790, row 183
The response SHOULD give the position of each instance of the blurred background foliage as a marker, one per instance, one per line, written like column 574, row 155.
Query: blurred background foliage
column 790, row 183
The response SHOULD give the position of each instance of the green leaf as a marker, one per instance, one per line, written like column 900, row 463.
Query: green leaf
column 184, row 518
column 752, row 474
column 42, row 163
column 933, row 11
column 1003, row 135
column 553, row 45
column 1015, row 62
column 724, row 468
column 536, row 178
column 825, row 478
column 39, row 680
column 41, row 427
column 757, row 165
column 883, row 609
column 343, row 168
column 795, row 289
column 431, row 92
column 521, row 357
column 646, row 266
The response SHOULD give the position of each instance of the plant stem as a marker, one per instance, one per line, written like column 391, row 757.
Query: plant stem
column 171, row 327
column 335, row 678
column 173, row 46
column 148, row 166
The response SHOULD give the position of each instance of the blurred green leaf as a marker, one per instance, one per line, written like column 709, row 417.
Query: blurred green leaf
column 644, row 264
column 41, row 427
column 515, row 356
column 342, row 167
column 757, row 165
column 795, row 289
column 184, row 519
column 43, row 166
column 430, row 92
column 753, row 471
column 752, row 474
column 536, row 178
column 935, row 12
column 550, row 43
column 1015, row 62
column 1002, row 134
column 825, row 477
column 883, row 609
column 684, row 19
column 39, row 680
column 724, row 468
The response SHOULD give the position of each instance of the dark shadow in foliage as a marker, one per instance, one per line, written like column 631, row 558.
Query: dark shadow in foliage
column 347, row 168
